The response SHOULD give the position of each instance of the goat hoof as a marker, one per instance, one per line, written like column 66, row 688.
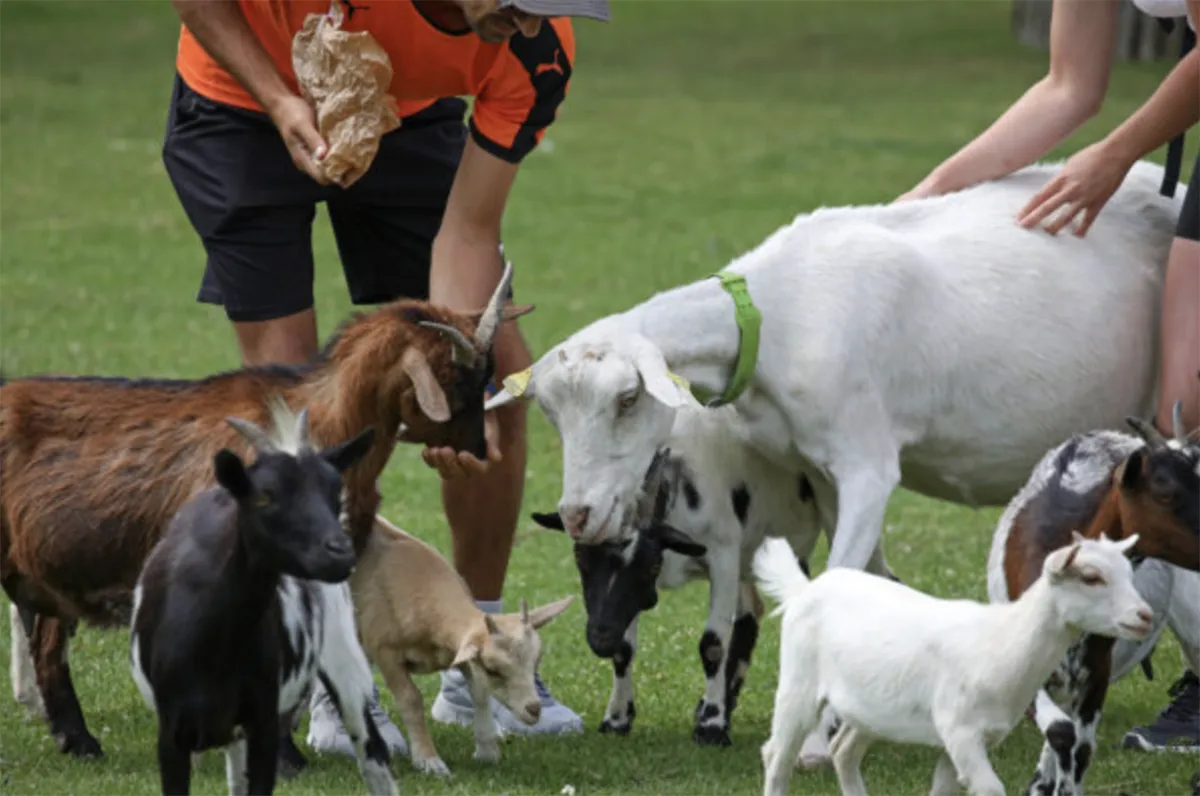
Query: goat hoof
column 711, row 735
column 81, row 745
column 291, row 761
column 431, row 765
column 612, row 726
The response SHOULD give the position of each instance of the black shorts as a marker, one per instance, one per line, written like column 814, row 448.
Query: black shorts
column 1189, row 219
column 253, row 209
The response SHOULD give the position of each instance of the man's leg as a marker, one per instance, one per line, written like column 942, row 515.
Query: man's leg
column 253, row 210
column 1178, row 725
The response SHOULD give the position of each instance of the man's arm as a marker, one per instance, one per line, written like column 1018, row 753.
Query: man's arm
column 465, row 268
column 221, row 29
column 1082, row 36
column 466, row 261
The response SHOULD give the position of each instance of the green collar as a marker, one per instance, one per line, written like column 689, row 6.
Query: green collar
column 749, row 321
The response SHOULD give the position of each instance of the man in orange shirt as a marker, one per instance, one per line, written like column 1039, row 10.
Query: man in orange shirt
column 423, row 221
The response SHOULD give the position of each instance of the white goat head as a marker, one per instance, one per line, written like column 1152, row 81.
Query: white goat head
column 611, row 398
column 1093, row 584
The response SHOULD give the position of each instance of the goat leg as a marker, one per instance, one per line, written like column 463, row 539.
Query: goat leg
column 411, row 705
column 486, row 748
column 24, row 680
column 50, row 640
column 236, row 768
column 618, row 717
column 346, row 675
column 742, row 642
column 712, row 713
column 174, row 762
column 262, row 747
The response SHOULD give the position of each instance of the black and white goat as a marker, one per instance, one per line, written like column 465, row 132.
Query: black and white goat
column 244, row 602
column 731, row 498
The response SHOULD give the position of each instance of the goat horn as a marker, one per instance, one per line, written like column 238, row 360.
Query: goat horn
column 489, row 322
column 253, row 434
column 1147, row 431
column 1177, row 423
column 464, row 349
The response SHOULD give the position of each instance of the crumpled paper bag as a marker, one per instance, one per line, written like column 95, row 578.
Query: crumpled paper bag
column 345, row 76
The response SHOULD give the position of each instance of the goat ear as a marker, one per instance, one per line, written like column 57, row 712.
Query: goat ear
column 1058, row 562
column 542, row 615
column 466, row 653
column 659, row 384
column 1130, row 471
column 430, row 396
column 346, row 454
column 510, row 312
column 231, row 474
column 549, row 520
column 1127, row 544
column 490, row 624
column 677, row 541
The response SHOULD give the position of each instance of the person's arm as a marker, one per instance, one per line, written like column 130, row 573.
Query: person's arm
column 466, row 265
column 1082, row 37
column 221, row 29
column 1089, row 178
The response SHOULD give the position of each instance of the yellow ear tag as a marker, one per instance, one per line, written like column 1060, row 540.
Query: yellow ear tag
column 517, row 383
column 680, row 381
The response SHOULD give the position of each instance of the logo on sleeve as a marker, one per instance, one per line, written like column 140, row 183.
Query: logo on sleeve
column 553, row 66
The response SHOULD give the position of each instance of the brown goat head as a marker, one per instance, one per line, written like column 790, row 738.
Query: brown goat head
column 1159, row 493
column 444, row 371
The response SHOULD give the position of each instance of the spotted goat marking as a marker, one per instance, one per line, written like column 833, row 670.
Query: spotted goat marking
column 621, row 580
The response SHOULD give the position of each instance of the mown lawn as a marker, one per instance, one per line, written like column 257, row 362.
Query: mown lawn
column 691, row 131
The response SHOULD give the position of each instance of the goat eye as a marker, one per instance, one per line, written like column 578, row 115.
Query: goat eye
column 1092, row 580
column 263, row 499
column 626, row 401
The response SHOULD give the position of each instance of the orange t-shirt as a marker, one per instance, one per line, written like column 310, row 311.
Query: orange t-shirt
column 517, row 85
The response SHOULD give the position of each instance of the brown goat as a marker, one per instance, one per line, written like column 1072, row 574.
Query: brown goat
column 1109, row 483
column 92, row 469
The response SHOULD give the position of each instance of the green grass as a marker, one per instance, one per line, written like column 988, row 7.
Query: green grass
column 691, row 131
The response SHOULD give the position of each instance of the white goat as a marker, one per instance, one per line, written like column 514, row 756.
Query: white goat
column 900, row 665
column 933, row 344
column 723, row 498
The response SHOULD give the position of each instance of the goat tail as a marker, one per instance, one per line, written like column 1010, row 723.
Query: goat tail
column 778, row 572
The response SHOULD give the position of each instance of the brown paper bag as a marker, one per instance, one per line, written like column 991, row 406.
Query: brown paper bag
column 345, row 76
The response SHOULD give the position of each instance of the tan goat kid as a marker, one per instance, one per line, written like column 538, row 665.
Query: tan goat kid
column 416, row 616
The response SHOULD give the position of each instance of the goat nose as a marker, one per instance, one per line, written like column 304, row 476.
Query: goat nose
column 1146, row 615
column 534, row 709
column 575, row 518
column 338, row 545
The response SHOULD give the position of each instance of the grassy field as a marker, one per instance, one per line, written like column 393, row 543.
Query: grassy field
column 691, row 131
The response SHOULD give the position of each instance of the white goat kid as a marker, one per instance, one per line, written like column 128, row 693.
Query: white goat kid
column 899, row 665
column 933, row 344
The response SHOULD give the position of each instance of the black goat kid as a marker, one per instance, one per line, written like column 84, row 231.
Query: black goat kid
column 243, row 602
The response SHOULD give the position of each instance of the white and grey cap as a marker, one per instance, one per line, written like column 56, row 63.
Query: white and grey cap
column 595, row 9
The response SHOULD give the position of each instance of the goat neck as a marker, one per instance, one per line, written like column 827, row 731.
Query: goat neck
column 1034, row 632
column 695, row 328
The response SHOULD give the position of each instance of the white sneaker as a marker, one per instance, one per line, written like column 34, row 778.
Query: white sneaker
column 454, row 706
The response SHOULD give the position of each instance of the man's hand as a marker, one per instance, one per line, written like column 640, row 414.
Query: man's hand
column 452, row 465
column 296, row 121
column 1086, row 182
